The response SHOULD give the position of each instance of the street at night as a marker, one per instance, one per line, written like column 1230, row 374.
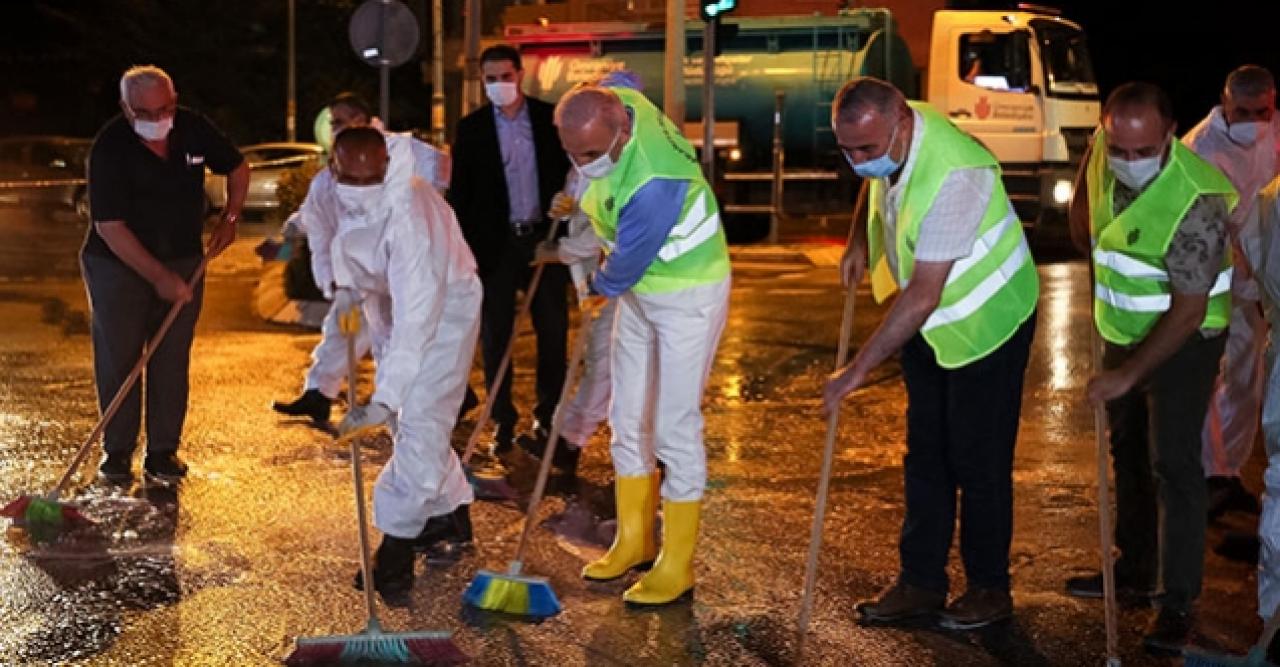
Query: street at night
column 258, row 546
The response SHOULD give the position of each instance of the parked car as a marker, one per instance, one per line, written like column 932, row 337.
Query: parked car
column 267, row 162
column 44, row 172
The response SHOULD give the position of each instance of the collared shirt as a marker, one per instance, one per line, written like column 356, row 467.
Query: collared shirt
column 950, row 227
column 519, row 163
column 160, row 200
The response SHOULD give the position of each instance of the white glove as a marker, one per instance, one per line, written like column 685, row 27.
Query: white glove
column 364, row 417
column 345, row 299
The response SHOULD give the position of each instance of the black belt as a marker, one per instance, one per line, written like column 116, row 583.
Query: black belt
column 525, row 228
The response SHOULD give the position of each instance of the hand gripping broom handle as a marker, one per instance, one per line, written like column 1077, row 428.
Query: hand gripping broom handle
column 492, row 395
column 350, row 329
column 1104, row 513
column 828, row 450
column 544, row 471
column 125, row 387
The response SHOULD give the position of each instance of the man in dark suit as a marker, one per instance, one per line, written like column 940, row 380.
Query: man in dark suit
column 507, row 165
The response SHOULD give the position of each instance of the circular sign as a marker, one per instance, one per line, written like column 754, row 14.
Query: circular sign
column 383, row 33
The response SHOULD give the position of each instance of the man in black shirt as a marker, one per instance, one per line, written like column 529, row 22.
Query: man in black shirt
column 146, row 197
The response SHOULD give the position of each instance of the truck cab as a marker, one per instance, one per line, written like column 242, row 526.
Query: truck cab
column 1021, row 82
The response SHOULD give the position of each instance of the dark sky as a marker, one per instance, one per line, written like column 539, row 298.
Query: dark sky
column 1186, row 48
column 59, row 59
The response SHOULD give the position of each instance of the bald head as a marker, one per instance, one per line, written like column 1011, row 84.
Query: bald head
column 360, row 156
column 871, row 120
column 1138, row 119
column 592, row 121
column 865, row 95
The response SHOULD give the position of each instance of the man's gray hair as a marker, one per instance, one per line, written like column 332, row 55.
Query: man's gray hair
column 586, row 103
column 143, row 76
column 1249, row 81
column 864, row 94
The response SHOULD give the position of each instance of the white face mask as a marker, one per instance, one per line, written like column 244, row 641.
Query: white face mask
column 153, row 130
column 501, row 93
column 601, row 166
column 358, row 201
column 1135, row 173
column 1244, row 134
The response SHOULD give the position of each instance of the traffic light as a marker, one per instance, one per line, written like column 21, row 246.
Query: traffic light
column 711, row 9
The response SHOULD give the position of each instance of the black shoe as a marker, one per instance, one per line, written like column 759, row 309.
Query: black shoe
column 469, row 403
column 446, row 534
column 1227, row 494
column 901, row 602
column 1089, row 586
column 977, row 608
column 392, row 568
column 116, row 469
column 165, row 468
column 504, row 438
column 311, row 404
column 1169, row 634
column 565, row 459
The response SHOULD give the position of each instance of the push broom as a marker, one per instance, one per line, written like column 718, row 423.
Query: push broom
column 373, row 644
column 45, row 515
column 828, row 451
column 513, row 592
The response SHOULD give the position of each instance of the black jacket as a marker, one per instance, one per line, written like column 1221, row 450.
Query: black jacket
column 478, row 187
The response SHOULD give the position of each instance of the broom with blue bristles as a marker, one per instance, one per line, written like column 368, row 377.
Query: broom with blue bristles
column 1257, row 656
column 372, row 645
column 514, row 592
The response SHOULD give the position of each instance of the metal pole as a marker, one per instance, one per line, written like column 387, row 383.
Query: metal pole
column 709, row 99
column 291, row 105
column 779, row 157
column 471, row 76
column 384, row 68
column 673, row 92
column 437, row 72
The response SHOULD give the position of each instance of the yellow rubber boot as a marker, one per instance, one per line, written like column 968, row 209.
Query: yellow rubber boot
column 672, row 576
column 633, row 545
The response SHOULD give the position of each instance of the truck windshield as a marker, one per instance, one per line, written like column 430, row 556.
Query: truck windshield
column 1067, row 68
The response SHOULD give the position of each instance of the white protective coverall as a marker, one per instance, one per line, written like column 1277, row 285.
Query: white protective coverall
column 589, row 406
column 417, row 278
column 329, row 358
column 1232, row 421
column 1265, row 258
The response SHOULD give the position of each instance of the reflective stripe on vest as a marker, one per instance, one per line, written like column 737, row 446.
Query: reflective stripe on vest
column 1155, row 303
column 693, row 229
column 986, row 289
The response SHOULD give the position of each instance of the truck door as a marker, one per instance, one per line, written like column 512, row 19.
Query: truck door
column 990, row 92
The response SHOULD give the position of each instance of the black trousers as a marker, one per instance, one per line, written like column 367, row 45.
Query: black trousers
column 961, row 428
column 1155, row 448
column 549, row 311
column 125, row 312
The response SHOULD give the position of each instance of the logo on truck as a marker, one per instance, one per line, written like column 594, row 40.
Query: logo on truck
column 983, row 108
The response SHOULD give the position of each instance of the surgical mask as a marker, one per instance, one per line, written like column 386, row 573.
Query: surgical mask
column 1135, row 174
column 601, row 166
column 881, row 167
column 501, row 93
column 153, row 130
column 1243, row 134
column 358, row 200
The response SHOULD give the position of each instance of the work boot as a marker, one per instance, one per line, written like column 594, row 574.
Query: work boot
column 633, row 544
column 978, row 608
column 392, row 568
column 446, row 534
column 672, row 575
column 311, row 404
column 1169, row 633
column 565, row 458
column 900, row 602
column 1227, row 494
column 164, row 468
column 116, row 469
column 1089, row 586
column 504, row 437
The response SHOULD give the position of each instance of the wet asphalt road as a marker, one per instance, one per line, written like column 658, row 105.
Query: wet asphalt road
column 258, row 546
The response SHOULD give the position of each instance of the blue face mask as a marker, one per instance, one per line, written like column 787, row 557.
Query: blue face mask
column 881, row 167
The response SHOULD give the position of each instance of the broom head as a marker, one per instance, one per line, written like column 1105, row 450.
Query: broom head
column 405, row 648
column 512, row 594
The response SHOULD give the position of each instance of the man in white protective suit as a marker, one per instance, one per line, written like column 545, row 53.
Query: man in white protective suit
column 1265, row 257
column 397, row 252
column 328, row 359
column 1240, row 137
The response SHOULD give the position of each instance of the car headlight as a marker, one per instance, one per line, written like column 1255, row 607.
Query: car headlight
column 1062, row 191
